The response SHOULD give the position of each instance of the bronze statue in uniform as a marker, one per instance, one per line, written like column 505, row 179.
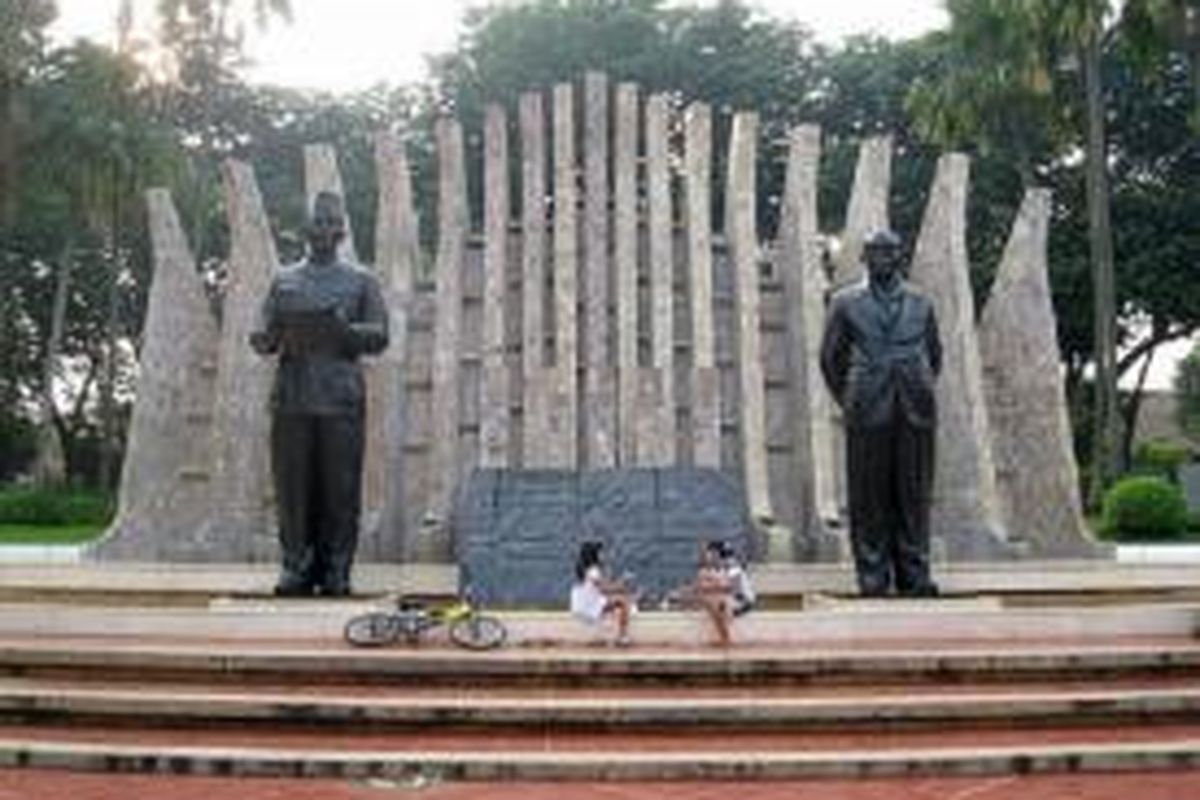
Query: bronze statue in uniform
column 880, row 356
column 319, row 316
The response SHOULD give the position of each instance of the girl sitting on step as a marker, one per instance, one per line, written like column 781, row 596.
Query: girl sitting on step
column 595, row 597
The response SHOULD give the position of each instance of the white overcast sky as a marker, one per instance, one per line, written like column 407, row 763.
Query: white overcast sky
column 353, row 44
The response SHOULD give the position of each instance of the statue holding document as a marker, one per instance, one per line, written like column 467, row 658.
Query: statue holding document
column 319, row 316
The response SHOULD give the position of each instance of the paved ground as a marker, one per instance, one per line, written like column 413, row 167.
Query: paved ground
column 49, row 785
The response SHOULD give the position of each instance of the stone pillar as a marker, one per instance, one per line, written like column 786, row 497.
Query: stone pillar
column 705, row 381
column 600, row 403
column 740, row 230
column 1036, row 472
column 396, row 257
column 533, row 280
column 494, row 427
column 241, row 519
column 659, row 449
column 625, row 249
column 563, row 406
column 868, row 209
column 452, row 232
column 966, row 506
column 804, row 287
column 164, row 495
column 321, row 174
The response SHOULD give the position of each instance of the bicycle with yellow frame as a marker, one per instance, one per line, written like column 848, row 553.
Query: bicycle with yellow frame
column 466, row 625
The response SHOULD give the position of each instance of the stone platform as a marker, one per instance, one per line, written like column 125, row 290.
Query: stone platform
column 778, row 584
column 175, row 671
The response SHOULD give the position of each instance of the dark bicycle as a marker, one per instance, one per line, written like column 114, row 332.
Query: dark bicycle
column 466, row 625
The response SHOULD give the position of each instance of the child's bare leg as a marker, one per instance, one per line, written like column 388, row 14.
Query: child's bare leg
column 619, row 605
column 715, row 608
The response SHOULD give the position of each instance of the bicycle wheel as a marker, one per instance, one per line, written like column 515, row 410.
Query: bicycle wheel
column 478, row 632
column 373, row 629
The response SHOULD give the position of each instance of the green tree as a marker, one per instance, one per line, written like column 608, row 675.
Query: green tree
column 1008, row 61
column 22, row 44
column 94, row 145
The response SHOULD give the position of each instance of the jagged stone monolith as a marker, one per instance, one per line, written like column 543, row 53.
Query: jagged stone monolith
column 805, row 285
column 966, row 518
column 240, row 526
column 321, row 174
column 1036, row 473
column 868, row 208
column 164, row 493
column 396, row 255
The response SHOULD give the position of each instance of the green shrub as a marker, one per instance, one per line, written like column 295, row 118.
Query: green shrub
column 1144, row 507
column 1160, row 457
column 33, row 506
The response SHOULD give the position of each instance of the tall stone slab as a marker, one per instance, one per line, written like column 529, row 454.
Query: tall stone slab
column 966, row 506
column 321, row 174
column 1026, row 400
column 804, row 287
column 536, row 437
column 563, row 394
column 625, row 258
column 868, row 209
column 494, row 423
column 600, row 407
column 658, row 449
column 396, row 258
column 705, row 381
column 452, row 233
column 164, row 494
column 241, row 518
column 740, row 230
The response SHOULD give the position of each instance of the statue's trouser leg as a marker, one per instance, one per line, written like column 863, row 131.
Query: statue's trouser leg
column 869, row 467
column 292, row 458
column 340, row 451
column 914, row 483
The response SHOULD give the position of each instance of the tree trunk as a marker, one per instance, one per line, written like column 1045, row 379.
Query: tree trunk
column 1132, row 406
column 108, row 377
column 50, row 466
column 1106, row 435
column 8, row 152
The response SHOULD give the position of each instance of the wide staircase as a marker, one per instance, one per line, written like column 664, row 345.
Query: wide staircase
column 140, row 679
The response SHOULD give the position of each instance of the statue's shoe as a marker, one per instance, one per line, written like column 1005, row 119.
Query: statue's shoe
column 293, row 589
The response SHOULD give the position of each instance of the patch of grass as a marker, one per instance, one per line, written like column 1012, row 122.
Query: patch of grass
column 57, row 506
column 49, row 534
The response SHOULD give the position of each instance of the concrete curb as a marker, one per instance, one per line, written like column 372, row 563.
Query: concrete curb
column 544, row 666
column 150, row 706
column 836, row 622
column 511, row 766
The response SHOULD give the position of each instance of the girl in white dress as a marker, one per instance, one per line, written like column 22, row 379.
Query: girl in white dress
column 594, row 596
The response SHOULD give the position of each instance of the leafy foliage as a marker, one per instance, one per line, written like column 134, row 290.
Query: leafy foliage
column 1144, row 508
column 28, row 506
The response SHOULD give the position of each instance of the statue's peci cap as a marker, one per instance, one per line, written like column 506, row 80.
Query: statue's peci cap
column 884, row 237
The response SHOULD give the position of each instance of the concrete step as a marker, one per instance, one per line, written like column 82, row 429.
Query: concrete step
column 593, row 758
column 670, row 707
column 983, row 619
column 884, row 662
column 787, row 584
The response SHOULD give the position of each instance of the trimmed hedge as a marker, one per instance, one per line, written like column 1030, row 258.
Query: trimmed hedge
column 34, row 506
column 1143, row 508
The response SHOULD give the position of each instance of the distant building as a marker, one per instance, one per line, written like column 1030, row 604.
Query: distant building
column 1158, row 419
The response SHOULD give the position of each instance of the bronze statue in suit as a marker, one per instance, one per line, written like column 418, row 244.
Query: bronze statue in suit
column 880, row 356
column 319, row 317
